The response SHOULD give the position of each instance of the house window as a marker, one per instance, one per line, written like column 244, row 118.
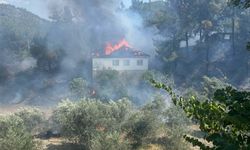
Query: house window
column 140, row 62
column 115, row 62
column 126, row 62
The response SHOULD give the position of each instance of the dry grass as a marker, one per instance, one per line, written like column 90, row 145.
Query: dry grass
column 58, row 144
column 152, row 147
column 9, row 109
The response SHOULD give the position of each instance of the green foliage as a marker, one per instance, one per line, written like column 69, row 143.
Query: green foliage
column 88, row 122
column 48, row 59
column 110, row 85
column 210, row 85
column 248, row 46
column 117, row 125
column 79, row 88
column 33, row 119
column 193, row 33
column 225, row 120
column 14, row 134
column 244, row 4
column 158, row 124
column 142, row 127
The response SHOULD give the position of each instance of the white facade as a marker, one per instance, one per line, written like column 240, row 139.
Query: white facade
column 120, row 64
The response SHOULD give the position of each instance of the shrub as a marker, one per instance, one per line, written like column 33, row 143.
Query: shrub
column 224, row 119
column 109, row 85
column 94, row 124
column 90, row 123
column 210, row 85
column 156, row 123
column 79, row 88
column 14, row 135
column 33, row 119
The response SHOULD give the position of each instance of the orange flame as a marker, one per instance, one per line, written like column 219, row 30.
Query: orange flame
column 112, row 48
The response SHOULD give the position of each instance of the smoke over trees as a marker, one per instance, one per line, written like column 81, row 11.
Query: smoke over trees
column 195, row 46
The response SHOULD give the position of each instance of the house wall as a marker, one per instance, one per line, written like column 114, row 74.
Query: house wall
column 107, row 63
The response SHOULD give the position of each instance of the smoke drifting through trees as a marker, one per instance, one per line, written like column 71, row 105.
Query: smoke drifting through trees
column 55, row 51
column 64, row 48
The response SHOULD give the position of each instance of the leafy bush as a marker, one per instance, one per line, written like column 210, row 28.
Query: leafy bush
column 93, row 123
column 14, row 134
column 33, row 119
column 225, row 119
column 157, row 124
column 143, row 125
column 110, row 85
column 79, row 88
column 248, row 46
column 210, row 85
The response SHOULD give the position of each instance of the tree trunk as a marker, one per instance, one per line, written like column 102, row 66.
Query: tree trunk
column 207, row 60
column 200, row 33
column 248, row 66
column 233, row 32
column 174, row 49
column 207, row 53
column 187, row 44
column 28, row 45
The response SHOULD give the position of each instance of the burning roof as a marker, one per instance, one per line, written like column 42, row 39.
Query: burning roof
column 122, row 49
column 110, row 49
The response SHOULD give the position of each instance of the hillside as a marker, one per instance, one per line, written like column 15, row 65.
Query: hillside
column 18, row 28
column 21, row 22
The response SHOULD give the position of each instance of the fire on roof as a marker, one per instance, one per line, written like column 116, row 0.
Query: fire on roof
column 121, row 49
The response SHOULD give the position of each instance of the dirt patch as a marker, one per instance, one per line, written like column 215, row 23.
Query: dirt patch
column 59, row 144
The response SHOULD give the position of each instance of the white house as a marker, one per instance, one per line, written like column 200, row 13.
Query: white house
column 123, row 59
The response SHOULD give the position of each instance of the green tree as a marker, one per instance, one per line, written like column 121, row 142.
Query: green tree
column 109, row 85
column 14, row 134
column 245, row 3
column 92, row 123
column 225, row 119
column 33, row 119
column 79, row 88
column 210, row 85
column 48, row 60
column 158, row 124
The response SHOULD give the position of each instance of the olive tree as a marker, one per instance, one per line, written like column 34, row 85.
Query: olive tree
column 14, row 134
column 92, row 123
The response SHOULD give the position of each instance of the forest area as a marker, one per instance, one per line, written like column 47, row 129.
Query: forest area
column 179, row 75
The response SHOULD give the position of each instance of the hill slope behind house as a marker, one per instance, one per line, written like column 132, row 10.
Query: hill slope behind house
column 18, row 28
column 21, row 22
